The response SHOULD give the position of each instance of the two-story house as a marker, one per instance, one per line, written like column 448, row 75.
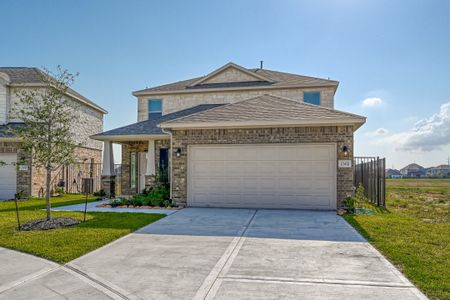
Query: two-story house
column 24, row 177
column 239, row 137
column 413, row 171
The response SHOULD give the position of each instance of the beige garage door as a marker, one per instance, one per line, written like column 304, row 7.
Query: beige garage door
column 8, row 176
column 262, row 176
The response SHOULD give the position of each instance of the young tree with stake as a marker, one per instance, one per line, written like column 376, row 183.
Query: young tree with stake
column 48, row 116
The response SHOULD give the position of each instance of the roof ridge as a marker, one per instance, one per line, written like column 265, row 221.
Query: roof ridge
column 292, row 74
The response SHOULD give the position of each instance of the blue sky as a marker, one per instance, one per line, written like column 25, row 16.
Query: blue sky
column 396, row 53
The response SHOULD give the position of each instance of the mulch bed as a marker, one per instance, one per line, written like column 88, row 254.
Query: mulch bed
column 43, row 224
column 131, row 206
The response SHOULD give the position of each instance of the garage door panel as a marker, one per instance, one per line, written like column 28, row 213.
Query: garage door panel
column 265, row 176
column 8, row 176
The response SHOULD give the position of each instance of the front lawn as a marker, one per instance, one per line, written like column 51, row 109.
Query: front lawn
column 414, row 233
column 64, row 245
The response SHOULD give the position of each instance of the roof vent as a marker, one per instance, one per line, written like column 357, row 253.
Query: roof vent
column 261, row 63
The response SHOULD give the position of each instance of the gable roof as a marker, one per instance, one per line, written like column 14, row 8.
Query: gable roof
column 412, row 166
column 149, row 127
column 6, row 129
column 230, row 65
column 266, row 110
column 33, row 76
column 268, row 79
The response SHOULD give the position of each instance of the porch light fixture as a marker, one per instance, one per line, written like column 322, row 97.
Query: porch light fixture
column 345, row 150
column 178, row 152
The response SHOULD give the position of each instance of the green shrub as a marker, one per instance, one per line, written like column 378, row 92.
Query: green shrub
column 100, row 193
column 167, row 203
column 115, row 202
column 350, row 203
column 137, row 200
column 125, row 202
column 157, row 202
column 360, row 197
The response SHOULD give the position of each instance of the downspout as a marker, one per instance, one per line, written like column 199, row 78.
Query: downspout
column 170, row 160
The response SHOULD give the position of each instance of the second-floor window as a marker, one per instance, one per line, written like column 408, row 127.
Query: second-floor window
column 311, row 97
column 154, row 109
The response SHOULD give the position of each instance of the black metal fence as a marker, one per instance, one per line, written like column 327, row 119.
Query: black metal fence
column 370, row 172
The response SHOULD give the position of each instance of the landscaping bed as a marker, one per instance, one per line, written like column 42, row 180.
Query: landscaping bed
column 108, row 205
column 413, row 232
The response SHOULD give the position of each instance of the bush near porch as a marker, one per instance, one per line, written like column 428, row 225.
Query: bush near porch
column 64, row 245
column 414, row 232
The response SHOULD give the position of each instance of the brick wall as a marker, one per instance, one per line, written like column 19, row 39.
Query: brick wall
column 38, row 175
column 137, row 147
column 341, row 135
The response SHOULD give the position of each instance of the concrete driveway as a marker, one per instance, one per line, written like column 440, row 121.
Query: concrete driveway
column 238, row 254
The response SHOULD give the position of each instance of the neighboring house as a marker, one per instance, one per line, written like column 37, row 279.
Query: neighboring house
column 239, row 137
column 25, row 177
column 393, row 173
column 413, row 171
column 441, row 171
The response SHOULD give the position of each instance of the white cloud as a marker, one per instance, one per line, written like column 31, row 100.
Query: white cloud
column 427, row 135
column 372, row 102
column 379, row 132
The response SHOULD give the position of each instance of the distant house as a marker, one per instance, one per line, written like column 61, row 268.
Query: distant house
column 441, row 171
column 413, row 171
column 393, row 173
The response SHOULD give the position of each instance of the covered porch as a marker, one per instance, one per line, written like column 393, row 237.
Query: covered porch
column 144, row 161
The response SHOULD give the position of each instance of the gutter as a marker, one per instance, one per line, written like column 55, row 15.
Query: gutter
column 170, row 161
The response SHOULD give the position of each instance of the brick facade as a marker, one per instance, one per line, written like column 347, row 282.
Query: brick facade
column 82, row 155
column 341, row 135
column 126, row 155
column 32, row 180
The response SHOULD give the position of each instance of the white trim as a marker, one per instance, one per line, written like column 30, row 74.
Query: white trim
column 227, row 66
column 253, row 124
column 131, row 137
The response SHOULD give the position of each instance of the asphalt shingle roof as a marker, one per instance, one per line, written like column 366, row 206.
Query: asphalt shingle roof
column 5, row 130
column 280, row 80
column 265, row 108
column 27, row 75
column 150, row 127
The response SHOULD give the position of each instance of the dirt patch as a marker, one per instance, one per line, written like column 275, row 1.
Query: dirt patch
column 44, row 224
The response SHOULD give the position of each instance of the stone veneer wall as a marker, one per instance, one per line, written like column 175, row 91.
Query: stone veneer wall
column 137, row 147
column 175, row 102
column 341, row 135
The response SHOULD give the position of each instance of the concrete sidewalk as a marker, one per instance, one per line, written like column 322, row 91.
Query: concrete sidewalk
column 24, row 276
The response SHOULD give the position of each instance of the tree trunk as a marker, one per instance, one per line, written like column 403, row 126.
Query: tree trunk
column 47, row 194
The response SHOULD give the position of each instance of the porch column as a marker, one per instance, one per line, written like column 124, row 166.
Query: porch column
column 108, row 176
column 108, row 159
column 150, row 173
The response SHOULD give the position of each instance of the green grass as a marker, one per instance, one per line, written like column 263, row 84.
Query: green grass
column 414, row 232
column 64, row 245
